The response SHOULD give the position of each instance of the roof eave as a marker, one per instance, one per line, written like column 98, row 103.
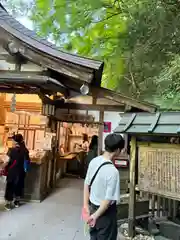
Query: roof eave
column 28, row 37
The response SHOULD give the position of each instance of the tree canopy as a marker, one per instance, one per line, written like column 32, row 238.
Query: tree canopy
column 138, row 40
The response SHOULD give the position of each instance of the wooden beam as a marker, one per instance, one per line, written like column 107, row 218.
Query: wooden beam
column 3, row 56
column 126, row 142
column 119, row 98
column 132, row 195
column 18, row 67
column 28, row 106
column 28, row 77
column 26, row 73
column 101, row 130
column 111, row 95
column 127, row 108
column 70, row 83
column 77, row 106
column 18, row 90
column 78, row 121
column 94, row 100
column 45, row 99
column 39, row 81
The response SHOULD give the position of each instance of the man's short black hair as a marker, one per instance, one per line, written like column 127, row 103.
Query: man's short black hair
column 113, row 142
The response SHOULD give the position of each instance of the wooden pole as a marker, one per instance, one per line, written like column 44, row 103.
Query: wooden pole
column 54, row 153
column 132, row 197
column 125, row 142
column 18, row 67
column 101, row 130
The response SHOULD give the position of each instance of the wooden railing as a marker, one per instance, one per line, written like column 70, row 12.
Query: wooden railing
column 161, row 206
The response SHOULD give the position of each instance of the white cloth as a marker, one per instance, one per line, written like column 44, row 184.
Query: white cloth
column 106, row 185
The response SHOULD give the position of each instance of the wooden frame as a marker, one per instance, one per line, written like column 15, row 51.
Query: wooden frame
column 132, row 198
column 91, row 107
column 25, row 82
column 167, row 184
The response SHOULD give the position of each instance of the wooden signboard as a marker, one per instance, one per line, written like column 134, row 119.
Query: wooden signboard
column 69, row 117
column 159, row 169
column 45, row 142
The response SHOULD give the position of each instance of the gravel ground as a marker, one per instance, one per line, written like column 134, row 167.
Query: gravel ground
column 123, row 234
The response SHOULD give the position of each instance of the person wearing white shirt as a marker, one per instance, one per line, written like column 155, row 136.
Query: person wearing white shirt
column 102, row 191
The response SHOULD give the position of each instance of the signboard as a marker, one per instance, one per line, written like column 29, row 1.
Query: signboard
column 121, row 163
column 45, row 143
column 159, row 170
column 69, row 117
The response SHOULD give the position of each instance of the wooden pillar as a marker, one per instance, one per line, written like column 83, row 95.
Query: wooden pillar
column 132, row 196
column 18, row 67
column 3, row 113
column 101, row 130
column 94, row 100
column 54, row 152
column 125, row 142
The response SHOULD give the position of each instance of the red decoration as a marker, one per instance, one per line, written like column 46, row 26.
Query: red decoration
column 107, row 127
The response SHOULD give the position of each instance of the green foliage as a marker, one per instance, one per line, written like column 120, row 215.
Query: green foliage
column 89, row 28
column 151, row 42
column 169, row 81
column 138, row 40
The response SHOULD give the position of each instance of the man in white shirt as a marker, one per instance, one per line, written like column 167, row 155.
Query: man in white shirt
column 102, row 191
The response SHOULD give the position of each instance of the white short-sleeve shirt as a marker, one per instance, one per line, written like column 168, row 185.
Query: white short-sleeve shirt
column 106, row 185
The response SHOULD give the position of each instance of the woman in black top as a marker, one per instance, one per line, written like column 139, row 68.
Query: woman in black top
column 93, row 152
column 18, row 154
column 93, row 149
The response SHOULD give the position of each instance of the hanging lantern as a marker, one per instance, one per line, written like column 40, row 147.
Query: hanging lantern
column 84, row 89
column 13, row 103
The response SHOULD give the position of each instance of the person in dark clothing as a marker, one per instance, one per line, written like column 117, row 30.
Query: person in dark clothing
column 18, row 154
column 94, row 142
column 92, row 153
column 93, row 149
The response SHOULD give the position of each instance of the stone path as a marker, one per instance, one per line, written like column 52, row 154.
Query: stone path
column 56, row 218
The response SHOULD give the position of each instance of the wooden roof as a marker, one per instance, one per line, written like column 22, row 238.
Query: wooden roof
column 165, row 123
column 107, row 100
column 117, row 97
column 67, row 64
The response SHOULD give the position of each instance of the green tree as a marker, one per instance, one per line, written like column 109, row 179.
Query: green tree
column 89, row 28
column 138, row 40
column 151, row 49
